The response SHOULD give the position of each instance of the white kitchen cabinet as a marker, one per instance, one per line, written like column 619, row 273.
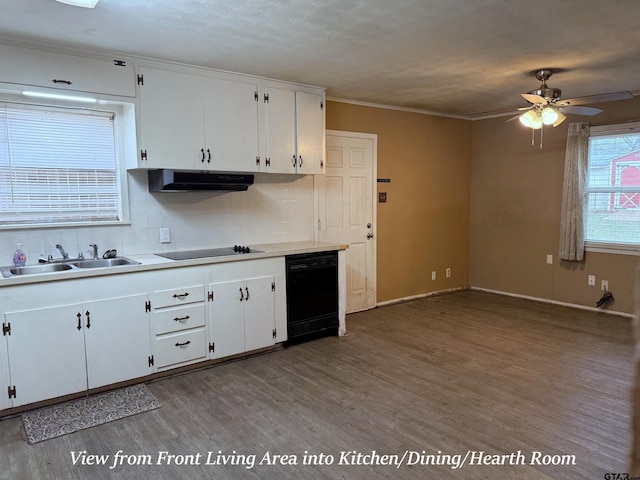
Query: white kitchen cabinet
column 241, row 316
column 193, row 122
column 292, row 132
column 310, row 119
column 231, row 125
column 67, row 349
column 27, row 67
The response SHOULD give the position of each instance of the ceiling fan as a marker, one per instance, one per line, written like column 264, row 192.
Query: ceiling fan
column 546, row 108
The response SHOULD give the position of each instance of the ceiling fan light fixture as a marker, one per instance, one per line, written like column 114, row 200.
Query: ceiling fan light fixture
column 561, row 118
column 531, row 119
column 549, row 116
column 80, row 3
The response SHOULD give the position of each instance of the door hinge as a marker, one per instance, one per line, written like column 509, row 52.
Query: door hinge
column 6, row 329
column 274, row 333
column 212, row 347
column 273, row 286
column 267, row 162
column 140, row 79
column 143, row 154
column 12, row 391
column 321, row 105
column 257, row 161
column 151, row 361
column 266, row 98
column 147, row 306
column 321, row 163
column 255, row 95
column 120, row 63
column 210, row 296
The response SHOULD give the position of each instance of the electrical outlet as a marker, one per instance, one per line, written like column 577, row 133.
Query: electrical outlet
column 591, row 280
column 604, row 285
column 447, row 272
column 549, row 259
column 165, row 236
column 433, row 275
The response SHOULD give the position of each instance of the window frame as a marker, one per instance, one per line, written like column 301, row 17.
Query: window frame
column 603, row 246
column 120, row 112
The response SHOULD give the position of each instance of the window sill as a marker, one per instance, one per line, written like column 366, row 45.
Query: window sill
column 65, row 225
column 615, row 248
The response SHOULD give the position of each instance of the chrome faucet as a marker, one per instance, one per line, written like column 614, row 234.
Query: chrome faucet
column 65, row 255
column 95, row 250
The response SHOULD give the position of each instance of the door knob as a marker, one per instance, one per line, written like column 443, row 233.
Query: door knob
column 369, row 235
column 368, row 225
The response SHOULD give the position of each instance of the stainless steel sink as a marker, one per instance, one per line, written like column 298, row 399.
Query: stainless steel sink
column 61, row 266
column 35, row 269
column 104, row 262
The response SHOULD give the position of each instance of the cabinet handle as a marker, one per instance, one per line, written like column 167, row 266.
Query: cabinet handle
column 241, row 294
column 181, row 319
column 88, row 314
column 247, row 290
column 294, row 161
column 208, row 156
column 202, row 150
column 183, row 344
column 181, row 296
column 300, row 160
column 56, row 81
column 79, row 321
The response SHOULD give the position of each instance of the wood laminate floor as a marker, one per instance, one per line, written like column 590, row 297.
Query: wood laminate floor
column 466, row 378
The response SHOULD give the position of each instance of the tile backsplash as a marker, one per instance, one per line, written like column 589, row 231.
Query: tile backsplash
column 276, row 208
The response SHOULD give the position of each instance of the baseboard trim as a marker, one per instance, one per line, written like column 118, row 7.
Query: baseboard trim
column 555, row 302
column 421, row 295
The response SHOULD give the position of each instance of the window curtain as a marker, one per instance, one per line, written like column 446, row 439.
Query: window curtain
column 573, row 196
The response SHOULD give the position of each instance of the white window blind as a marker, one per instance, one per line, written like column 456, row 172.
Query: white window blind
column 57, row 166
column 613, row 186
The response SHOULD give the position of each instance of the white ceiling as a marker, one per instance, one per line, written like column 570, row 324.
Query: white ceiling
column 467, row 58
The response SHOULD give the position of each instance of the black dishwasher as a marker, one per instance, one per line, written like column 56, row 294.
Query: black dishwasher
column 312, row 296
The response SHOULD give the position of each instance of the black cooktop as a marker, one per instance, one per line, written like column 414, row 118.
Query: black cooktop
column 210, row 252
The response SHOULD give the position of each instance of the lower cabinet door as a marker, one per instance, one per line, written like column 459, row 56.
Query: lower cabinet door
column 184, row 347
column 226, row 319
column 259, row 315
column 117, row 336
column 46, row 351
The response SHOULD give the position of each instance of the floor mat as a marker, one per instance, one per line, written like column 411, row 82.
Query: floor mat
column 56, row 420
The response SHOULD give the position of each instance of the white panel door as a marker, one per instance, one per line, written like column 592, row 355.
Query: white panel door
column 226, row 319
column 346, row 211
column 117, row 338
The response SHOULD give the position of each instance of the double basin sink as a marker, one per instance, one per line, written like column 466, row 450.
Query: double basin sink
column 65, row 265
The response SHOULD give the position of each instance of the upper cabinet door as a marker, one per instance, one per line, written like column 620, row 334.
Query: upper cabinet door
column 310, row 132
column 170, row 122
column 279, row 131
column 231, row 125
column 24, row 66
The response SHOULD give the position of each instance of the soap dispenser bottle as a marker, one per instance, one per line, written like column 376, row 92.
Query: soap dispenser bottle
column 19, row 258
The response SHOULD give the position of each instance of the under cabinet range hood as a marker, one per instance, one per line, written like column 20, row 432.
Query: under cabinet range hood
column 182, row 181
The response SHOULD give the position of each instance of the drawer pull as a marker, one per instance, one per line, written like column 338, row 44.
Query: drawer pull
column 182, row 319
column 183, row 344
column 181, row 296
column 241, row 294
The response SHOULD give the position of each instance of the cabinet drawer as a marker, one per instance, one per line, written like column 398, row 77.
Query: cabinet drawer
column 180, row 347
column 175, row 319
column 178, row 296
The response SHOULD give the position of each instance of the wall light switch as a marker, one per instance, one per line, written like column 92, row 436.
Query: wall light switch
column 433, row 275
column 382, row 197
column 591, row 280
column 549, row 259
column 165, row 236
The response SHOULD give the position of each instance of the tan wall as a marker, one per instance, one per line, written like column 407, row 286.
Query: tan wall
column 515, row 216
column 424, row 225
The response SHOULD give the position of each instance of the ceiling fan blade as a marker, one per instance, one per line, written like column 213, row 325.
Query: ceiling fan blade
column 576, row 110
column 603, row 97
column 533, row 98
column 512, row 118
